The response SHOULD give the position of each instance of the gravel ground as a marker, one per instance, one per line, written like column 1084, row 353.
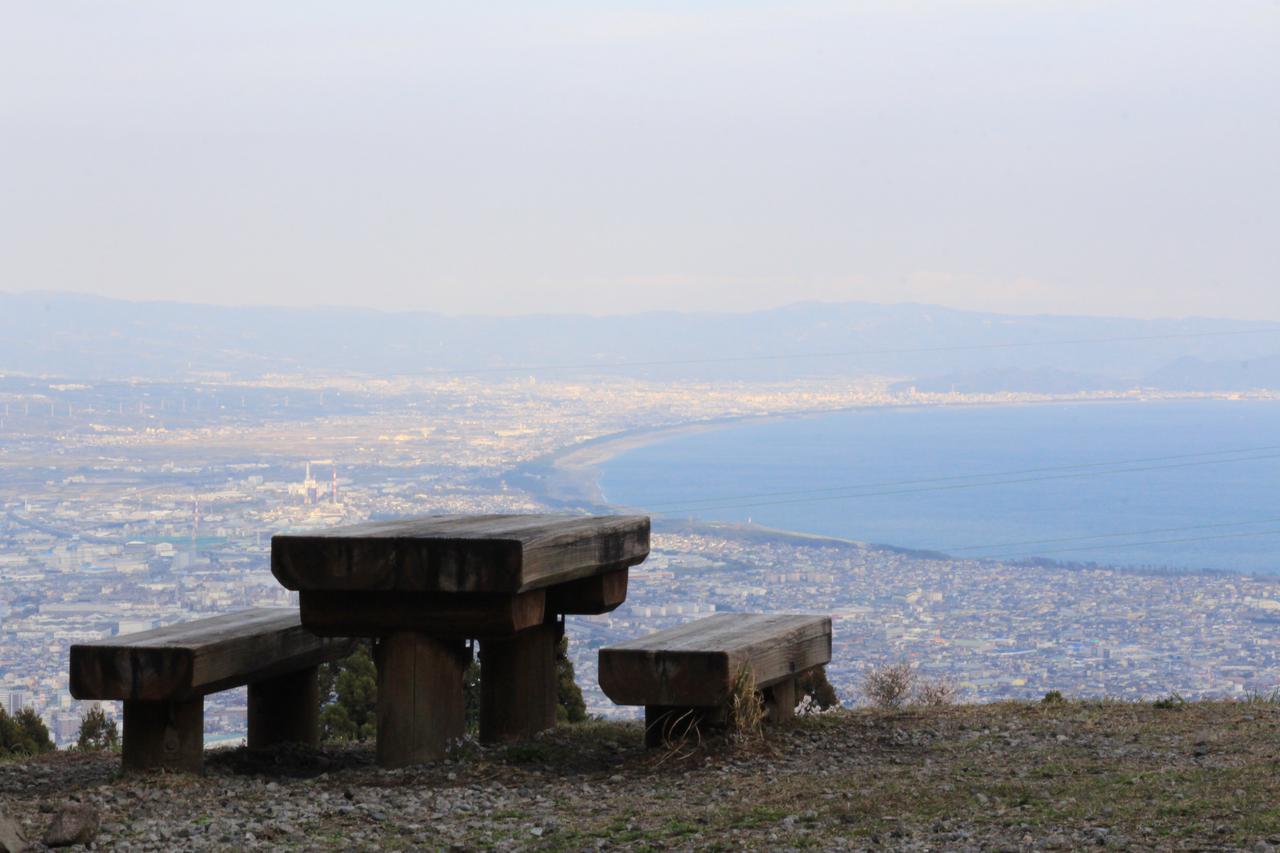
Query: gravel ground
column 1011, row 776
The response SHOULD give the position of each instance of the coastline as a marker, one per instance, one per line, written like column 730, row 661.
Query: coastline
column 571, row 475
column 570, row 479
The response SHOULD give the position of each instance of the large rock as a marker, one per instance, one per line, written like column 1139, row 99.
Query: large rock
column 11, row 840
column 76, row 823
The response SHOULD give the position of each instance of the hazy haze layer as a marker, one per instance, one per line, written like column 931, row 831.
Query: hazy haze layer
column 933, row 348
column 611, row 157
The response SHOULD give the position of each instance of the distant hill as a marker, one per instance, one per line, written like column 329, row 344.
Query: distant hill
column 1194, row 374
column 89, row 337
column 1042, row 380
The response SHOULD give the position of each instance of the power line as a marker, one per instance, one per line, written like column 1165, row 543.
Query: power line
column 623, row 365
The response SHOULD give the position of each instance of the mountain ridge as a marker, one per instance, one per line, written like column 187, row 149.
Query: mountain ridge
column 98, row 337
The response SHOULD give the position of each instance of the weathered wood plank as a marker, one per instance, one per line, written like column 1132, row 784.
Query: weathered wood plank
column 191, row 659
column 421, row 705
column 518, row 684
column 485, row 553
column 589, row 596
column 695, row 664
column 165, row 735
column 374, row 614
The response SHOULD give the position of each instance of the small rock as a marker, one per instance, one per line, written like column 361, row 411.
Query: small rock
column 536, row 831
column 11, row 840
column 76, row 823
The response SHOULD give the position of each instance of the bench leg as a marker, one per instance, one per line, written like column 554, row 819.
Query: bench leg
column 285, row 709
column 780, row 700
column 518, row 684
column 166, row 735
column 421, row 708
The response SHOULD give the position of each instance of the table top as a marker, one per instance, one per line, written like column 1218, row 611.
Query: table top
column 460, row 553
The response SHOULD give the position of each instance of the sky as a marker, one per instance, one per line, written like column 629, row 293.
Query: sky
column 612, row 157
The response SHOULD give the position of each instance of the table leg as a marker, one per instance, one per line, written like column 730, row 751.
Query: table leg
column 518, row 684
column 421, row 709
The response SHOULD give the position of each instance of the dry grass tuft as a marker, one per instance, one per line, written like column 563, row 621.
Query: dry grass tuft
column 681, row 737
column 746, row 710
column 935, row 692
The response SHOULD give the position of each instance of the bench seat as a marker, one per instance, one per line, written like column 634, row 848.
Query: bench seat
column 693, row 667
column 163, row 675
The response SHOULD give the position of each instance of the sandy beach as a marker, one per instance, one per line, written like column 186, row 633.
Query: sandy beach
column 573, row 475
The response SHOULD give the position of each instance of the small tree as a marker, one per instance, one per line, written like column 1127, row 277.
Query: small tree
column 349, row 687
column 888, row 687
column 935, row 692
column 570, row 707
column 23, row 733
column 814, row 684
column 97, row 733
column 10, row 735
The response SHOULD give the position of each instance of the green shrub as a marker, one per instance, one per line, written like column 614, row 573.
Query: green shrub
column 570, row 707
column 97, row 733
column 22, row 734
column 814, row 684
column 349, row 695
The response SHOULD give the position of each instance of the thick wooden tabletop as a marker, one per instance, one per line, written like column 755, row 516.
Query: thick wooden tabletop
column 460, row 553
column 203, row 656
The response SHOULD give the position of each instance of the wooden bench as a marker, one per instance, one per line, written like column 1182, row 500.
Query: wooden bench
column 686, row 674
column 163, row 676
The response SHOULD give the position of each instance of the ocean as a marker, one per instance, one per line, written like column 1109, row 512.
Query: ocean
column 1176, row 484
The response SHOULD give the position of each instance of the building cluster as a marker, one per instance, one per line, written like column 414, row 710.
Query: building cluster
column 133, row 506
column 996, row 630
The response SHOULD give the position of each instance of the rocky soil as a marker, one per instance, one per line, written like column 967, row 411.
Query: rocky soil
column 994, row 777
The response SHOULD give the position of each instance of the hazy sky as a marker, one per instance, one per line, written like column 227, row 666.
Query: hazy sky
column 1096, row 157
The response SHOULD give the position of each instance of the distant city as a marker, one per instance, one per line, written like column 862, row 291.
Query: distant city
column 130, row 505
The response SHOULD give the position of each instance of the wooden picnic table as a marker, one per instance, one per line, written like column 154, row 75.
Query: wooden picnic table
column 424, row 586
